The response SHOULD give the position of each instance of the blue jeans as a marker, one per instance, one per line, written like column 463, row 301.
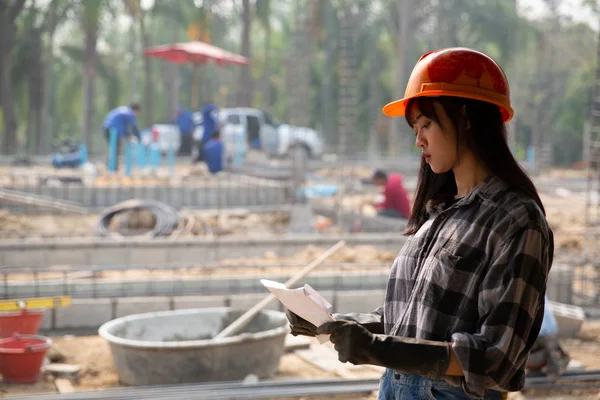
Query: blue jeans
column 394, row 386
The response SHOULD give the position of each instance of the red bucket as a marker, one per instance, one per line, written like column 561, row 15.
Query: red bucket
column 21, row 357
column 22, row 322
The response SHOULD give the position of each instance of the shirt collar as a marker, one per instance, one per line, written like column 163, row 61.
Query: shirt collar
column 487, row 188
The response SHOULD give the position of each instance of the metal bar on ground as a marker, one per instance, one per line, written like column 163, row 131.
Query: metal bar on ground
column 14, row 196
column 221, row 390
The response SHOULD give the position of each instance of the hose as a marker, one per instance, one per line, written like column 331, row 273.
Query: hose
column 167, row 218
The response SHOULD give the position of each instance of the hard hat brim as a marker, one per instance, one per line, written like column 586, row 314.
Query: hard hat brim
column 397, row 108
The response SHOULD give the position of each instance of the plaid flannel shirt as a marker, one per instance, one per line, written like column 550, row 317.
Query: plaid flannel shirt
column 475, row 275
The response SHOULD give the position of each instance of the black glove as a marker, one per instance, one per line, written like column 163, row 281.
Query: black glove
column 371, row 321
column 355, row 344
column 300, row 326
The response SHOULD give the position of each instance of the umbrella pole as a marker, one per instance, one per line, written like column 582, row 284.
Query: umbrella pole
column 195, row 87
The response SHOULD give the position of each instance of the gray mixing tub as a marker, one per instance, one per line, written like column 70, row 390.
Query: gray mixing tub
column 171, row 347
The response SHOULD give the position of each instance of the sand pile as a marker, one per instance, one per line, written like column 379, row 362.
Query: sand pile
column 357, row 254
column 354, row 172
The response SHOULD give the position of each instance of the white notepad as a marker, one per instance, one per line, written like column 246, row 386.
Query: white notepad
column 305, row 302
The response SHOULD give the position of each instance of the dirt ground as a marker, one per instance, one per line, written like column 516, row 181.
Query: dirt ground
column 240, row 222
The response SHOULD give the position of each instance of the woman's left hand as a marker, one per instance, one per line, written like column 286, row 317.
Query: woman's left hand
column 350, row 340
column 357, row 345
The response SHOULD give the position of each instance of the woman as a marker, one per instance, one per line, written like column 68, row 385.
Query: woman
column 465, row 297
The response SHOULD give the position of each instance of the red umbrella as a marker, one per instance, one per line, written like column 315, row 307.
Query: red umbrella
column 196, row 53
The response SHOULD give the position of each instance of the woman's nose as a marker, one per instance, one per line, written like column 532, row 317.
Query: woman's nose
column 419, row 141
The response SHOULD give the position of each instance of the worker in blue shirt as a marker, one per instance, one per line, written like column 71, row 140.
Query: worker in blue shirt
column 184, row 121
column 210, row 122
column 124, row 120
column 213, row 153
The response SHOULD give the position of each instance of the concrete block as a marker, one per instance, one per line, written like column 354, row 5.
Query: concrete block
column 359, row 301
column 148, row 255
column 67, row 257
column 84, row 313
column 559, row 287
column 139, row 305
column 247, row 301
column 16, row 257
column 569, row 318
column 46, row 323
column 194, row 254
column 183, row 302
column 110, row 255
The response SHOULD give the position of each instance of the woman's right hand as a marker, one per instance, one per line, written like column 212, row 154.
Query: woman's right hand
column 299, row 325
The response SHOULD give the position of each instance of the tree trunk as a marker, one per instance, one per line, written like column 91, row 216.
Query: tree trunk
column 245, row 88
column 267, row 74
column 327, row 86
column 403, row 17
column 8, row 14
column 35, row 90
column 148, row 96
column 47, row 129
column 132, row 84
column 170, row 73
column 374, row 101
column 89, row 87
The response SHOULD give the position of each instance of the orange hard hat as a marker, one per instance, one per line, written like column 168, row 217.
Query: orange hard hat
column 458, row 72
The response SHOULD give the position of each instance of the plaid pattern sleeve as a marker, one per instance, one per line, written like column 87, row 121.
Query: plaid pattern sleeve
column 475, row 275
column 511, row 299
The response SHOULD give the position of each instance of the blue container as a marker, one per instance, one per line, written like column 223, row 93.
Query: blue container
column 83, row 153
column 154, row 155
column 171, row 160
column 112, row 150
column 129, row 152
column 141, row 155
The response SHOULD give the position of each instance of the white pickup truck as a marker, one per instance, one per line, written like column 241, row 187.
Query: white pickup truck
column 244, row 128
column 270, row 136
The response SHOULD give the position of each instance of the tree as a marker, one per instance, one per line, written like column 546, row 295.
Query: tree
column 9, row 11
column 90, row 13
column 245, row 81
column 134, row 8
column 263, row 12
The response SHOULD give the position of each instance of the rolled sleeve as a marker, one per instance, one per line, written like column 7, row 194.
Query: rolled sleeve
column 511, row 308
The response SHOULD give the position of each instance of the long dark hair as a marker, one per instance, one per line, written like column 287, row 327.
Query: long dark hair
column 486, row 138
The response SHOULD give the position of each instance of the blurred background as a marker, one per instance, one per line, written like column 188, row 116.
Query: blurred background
column 295, row 88
column 328, row 65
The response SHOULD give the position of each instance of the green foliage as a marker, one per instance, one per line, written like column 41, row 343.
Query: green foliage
column 521, row 46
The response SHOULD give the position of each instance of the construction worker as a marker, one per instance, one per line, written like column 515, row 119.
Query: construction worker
column 184, row 121
column 210, row 123
column 124, row 120
column 395, row 203
column 213, row 153
column 465, row 297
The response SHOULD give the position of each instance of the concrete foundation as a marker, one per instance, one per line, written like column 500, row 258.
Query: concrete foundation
column 86, row 314
column 233, row 193
column 177, row 347
column 161, row 251
column 184, row 286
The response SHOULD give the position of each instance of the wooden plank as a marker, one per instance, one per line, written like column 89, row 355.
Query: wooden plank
column 64, row 385
column 294, row 343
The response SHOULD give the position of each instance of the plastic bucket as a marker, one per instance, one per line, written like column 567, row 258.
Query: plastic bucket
column 20, row 322
column 21, row 357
